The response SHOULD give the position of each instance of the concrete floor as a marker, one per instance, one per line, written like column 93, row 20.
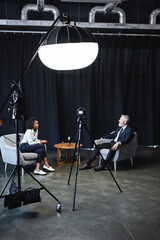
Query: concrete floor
column 101, row 211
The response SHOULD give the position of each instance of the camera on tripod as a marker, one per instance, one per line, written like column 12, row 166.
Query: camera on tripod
column 81, row 113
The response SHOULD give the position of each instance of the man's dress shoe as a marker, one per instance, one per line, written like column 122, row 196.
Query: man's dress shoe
column 86, row 166
column 99, row 168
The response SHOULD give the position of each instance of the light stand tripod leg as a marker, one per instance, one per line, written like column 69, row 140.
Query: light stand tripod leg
column 42, row 185
column 102, row 157
column 58, row 207
column 17, row 149
column 13, row 173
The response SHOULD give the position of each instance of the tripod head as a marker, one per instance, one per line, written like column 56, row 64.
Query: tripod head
column 81, row 114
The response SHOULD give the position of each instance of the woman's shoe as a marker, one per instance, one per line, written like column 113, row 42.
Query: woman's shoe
column 41, row 172
column 50, row 169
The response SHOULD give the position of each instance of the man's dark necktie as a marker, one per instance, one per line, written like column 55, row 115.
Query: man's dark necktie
column 120, row 132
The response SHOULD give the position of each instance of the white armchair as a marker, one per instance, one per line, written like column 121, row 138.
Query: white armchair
column 126, row 151
column 9, row 152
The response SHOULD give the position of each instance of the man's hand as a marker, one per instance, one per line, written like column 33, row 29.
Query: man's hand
column 115, row 146
column 43, row 141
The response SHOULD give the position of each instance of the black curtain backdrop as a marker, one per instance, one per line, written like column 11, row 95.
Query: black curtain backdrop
column 125, row 78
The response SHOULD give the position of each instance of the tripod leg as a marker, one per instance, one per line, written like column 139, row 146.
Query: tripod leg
column 13, row 173
column 73, row 159
column 114, row 179
column 77, row 161
column 75, row 185
column 70, row 171
column 103, row 158
column 42, row 186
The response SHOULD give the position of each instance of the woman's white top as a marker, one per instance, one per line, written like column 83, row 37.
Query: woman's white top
column 30, row 137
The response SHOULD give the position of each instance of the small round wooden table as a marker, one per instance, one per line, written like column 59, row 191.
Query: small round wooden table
column 68, row 147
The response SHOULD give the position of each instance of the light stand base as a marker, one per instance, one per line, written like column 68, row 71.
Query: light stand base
column 12, row 176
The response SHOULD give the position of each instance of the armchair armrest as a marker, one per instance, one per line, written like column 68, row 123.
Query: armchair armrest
column 9, row 154
column 102, row 140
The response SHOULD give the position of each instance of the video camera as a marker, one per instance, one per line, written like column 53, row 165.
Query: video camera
column 81, row 113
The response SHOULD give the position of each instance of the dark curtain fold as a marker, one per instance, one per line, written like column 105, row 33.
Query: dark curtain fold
column 123, row 79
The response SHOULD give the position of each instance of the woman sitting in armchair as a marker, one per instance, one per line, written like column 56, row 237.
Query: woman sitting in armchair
column 31, row 143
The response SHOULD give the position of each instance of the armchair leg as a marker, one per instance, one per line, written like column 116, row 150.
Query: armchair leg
column 100, row 160
column 115, row 166
column 22, row 172
column 5, row 167
column 131, row 160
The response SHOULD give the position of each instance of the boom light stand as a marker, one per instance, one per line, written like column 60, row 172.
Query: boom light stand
column 81, row 123
column 17, row 114
column 50, row 46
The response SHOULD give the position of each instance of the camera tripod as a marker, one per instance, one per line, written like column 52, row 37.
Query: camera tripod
column 81, row 121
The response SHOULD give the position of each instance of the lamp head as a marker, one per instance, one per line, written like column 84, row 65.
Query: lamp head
column 68, row 48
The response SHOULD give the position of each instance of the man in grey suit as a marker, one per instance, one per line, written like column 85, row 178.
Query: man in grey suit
column 120, row 136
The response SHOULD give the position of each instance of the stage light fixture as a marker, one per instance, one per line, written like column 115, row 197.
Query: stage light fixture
column 68, row 48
